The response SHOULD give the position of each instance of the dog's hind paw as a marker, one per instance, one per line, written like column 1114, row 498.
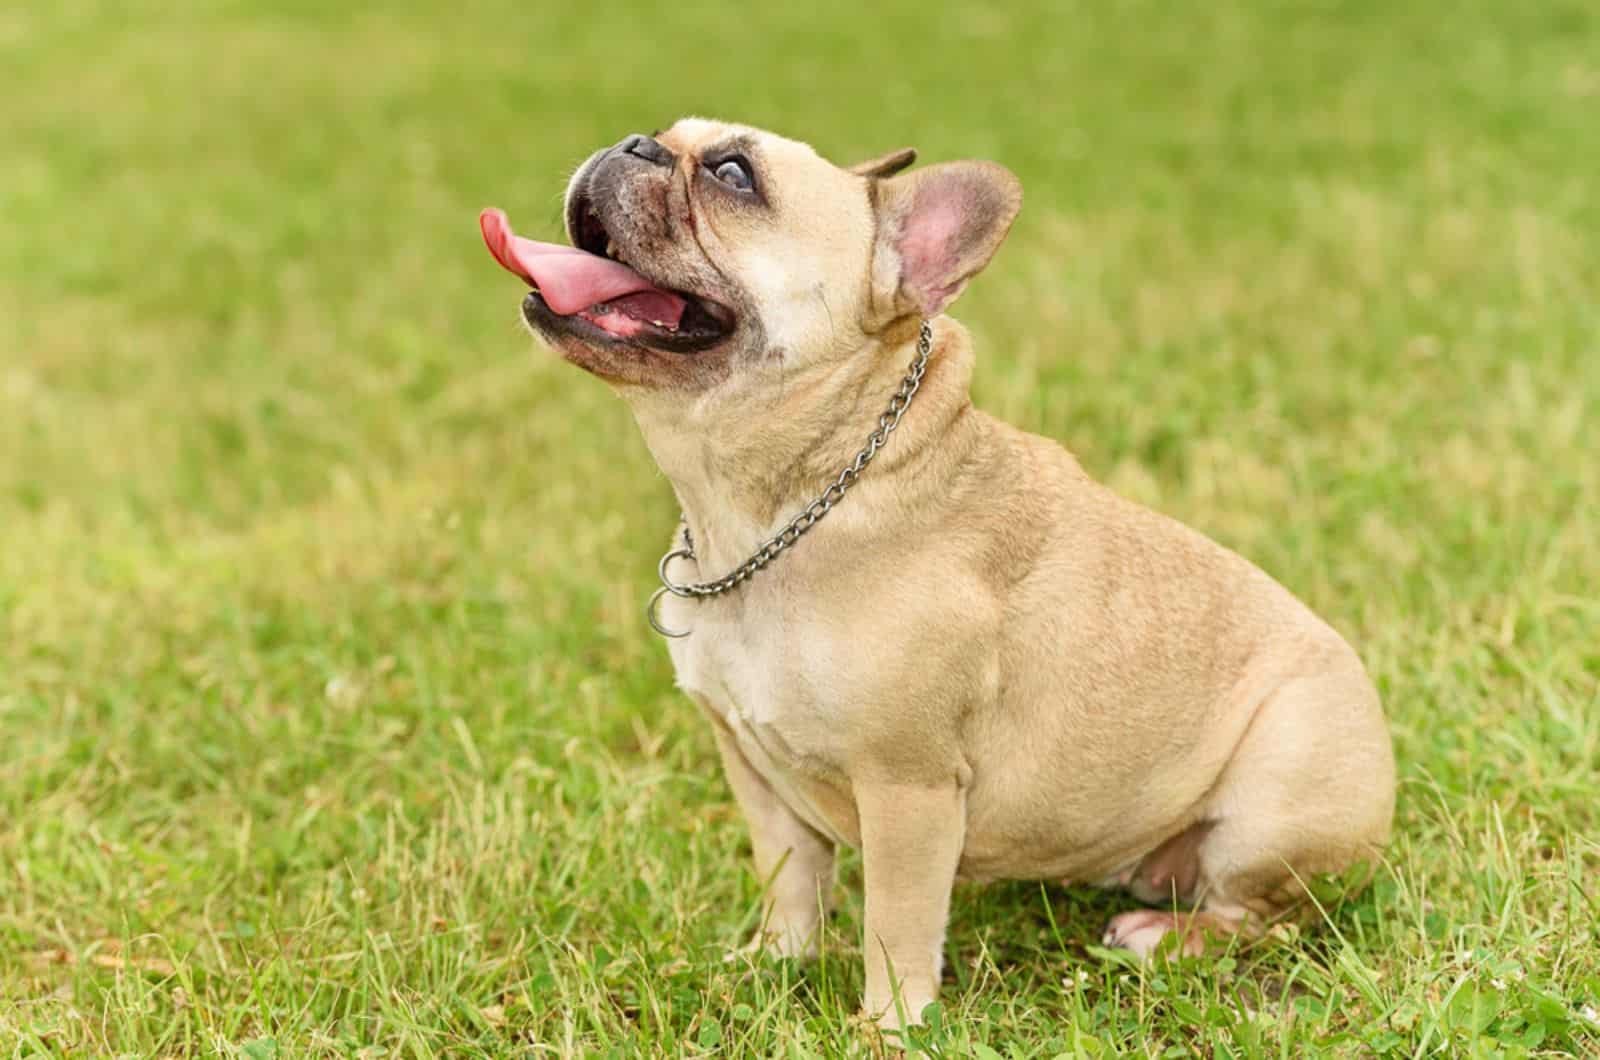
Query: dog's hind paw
column 1142, row 932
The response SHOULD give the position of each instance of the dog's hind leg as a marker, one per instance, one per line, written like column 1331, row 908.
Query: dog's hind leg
column 1310, row 790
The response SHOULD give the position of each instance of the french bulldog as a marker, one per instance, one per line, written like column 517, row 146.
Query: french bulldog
column 966, row 658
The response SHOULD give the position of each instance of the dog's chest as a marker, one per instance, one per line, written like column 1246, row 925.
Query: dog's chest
column 785, row 729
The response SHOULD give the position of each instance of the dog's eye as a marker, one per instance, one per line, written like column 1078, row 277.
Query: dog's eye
column 735, row 173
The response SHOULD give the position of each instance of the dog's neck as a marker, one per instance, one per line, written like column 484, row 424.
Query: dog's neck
column 743, row 468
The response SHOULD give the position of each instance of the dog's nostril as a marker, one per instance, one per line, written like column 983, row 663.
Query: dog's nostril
column 647, row 148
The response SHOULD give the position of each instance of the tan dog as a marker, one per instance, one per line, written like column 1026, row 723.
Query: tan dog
column 981, row 663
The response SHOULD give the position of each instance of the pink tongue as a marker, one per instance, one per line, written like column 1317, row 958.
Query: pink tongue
column 572, row 280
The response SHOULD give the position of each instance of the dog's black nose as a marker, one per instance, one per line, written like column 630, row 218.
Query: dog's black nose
column 649, row 149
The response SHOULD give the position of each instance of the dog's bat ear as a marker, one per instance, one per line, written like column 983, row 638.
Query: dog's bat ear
column 885, row 165
column 937, row 228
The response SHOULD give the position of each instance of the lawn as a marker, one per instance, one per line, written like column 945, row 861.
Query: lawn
column 330, row 721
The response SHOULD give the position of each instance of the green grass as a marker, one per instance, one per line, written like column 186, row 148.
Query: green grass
column 329, row 718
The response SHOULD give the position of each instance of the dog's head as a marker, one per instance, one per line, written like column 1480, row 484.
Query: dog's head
column 711, row 247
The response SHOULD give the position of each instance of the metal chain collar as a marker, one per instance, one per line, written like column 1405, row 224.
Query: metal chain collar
column 808, row 517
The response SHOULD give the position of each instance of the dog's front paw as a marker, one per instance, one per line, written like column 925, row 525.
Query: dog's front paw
column 894, row 1016
column 776, row 940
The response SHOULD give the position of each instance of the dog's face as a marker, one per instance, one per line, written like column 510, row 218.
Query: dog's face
column 748, row 249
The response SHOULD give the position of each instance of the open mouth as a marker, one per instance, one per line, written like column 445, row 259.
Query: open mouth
column 589, row 291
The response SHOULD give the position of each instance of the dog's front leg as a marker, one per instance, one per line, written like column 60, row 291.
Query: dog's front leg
column 794, row 862
column 911, row 839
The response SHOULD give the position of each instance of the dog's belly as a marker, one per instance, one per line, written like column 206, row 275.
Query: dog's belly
column 1005, row 841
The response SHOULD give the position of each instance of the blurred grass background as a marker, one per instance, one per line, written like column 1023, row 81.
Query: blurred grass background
column 329, row 720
